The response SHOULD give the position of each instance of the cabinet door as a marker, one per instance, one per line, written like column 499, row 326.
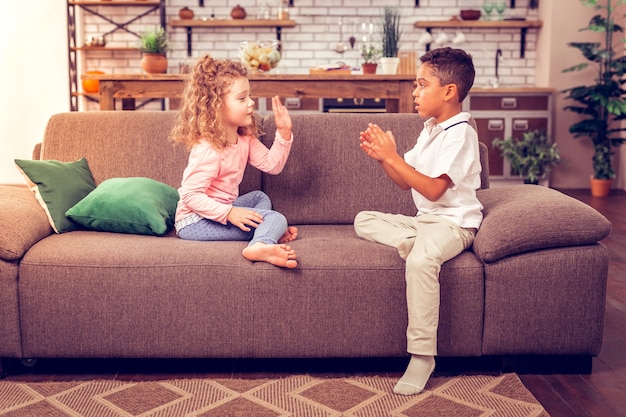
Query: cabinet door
column 489, row 129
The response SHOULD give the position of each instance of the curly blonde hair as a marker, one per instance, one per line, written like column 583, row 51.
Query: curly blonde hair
column 200, row 115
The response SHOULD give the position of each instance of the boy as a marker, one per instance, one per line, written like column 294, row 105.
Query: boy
column 443, row 173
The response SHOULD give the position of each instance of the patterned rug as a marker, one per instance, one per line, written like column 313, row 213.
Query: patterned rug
column 298, row 396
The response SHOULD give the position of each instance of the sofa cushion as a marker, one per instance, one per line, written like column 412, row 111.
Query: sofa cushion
column 58, row 186
column 128, row 205
column 524, row 218
column 23, row 222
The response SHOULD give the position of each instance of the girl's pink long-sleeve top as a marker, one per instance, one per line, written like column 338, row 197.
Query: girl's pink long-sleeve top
column 211, row 180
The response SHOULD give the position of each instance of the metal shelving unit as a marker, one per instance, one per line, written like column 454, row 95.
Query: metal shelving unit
column 93, row 7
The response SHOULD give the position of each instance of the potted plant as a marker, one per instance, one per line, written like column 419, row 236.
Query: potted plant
column 532, row 157
column 154, row 46
column 601, row 104
column 370, row 53
column 391, row 34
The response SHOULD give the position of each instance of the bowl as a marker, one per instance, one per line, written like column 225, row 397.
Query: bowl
column 470, row 14
column 260, row 56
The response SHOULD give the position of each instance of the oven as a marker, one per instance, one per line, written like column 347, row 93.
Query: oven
column 353, row 105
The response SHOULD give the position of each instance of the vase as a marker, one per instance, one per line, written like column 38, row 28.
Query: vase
column 600, row 187
column 389, row 65
column 186, row 13
column 154, row 63
column 369, row 67
column 238, row 12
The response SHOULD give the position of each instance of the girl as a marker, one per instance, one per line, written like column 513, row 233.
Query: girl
column 216, row 123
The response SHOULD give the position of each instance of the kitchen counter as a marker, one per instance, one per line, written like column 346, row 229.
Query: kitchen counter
column 512, row 90
column 395, row 89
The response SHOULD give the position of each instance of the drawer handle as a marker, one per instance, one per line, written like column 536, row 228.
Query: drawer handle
column 508, row 103
column 495, row 125
column 520, row 125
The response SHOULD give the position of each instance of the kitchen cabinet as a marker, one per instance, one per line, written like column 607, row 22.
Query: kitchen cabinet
column 106, row 13
column 502, row 114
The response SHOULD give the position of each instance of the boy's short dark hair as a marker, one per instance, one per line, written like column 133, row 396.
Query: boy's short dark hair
column 452, row 66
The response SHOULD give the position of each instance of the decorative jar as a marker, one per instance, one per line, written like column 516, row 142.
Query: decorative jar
column 186, row 13
column 261, row 56
column 238, row 12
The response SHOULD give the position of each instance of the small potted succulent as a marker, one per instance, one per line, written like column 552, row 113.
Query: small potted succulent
column 371, row 54
column 154, row 46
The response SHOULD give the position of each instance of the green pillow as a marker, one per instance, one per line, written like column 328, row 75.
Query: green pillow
column 58, row 186
column 128, row 205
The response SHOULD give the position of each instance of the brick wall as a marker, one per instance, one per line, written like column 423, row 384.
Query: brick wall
column 312, row 41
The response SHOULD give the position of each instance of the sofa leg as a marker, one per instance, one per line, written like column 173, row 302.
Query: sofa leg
column 29, row 362
column 3, row 372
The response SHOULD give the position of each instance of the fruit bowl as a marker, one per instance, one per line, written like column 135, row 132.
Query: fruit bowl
column 261, row 56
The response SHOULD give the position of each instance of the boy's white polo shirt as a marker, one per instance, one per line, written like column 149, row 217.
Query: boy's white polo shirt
column 450, row 148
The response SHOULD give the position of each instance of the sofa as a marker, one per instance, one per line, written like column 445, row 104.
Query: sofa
column 532, row 285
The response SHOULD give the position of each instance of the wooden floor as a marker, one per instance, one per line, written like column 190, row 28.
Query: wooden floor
column 599, row 394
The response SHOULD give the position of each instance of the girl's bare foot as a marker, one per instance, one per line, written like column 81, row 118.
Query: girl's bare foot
column 279, row 255
column 290, row 234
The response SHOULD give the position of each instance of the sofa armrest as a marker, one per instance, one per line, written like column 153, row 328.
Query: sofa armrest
column 524, row 218
column 22, row 220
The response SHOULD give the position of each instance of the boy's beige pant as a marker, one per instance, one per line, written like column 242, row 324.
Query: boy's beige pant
column 425, row 242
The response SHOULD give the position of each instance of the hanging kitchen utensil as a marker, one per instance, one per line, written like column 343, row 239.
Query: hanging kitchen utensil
column 340, row 48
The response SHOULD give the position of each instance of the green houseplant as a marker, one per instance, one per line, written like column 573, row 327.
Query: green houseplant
column 371, row 54
column 601, row 104
column 154, row 46
column 391, row 34
column 391, row 31
column 532, row 157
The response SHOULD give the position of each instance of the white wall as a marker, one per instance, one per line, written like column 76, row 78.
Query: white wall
column 34, row 81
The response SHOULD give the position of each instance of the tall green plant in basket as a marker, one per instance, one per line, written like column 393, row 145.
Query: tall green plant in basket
column 602, row 104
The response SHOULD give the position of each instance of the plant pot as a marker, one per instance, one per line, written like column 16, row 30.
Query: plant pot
column 600, row 188
column 154, row 63
column 369, row 67
column 389, row 65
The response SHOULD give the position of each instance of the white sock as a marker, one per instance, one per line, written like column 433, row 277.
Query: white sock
column 416, row 375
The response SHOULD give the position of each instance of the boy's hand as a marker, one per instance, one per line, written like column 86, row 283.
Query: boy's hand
column 282, row 120
column 378, row 144
column 244, row 218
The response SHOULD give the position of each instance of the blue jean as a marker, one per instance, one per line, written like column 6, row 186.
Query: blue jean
column 269, row 231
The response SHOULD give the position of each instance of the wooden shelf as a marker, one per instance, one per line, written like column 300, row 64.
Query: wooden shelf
column 231, row 23
column 113, row 3
column 483, row 24
column 104, row 48
column 522, row 25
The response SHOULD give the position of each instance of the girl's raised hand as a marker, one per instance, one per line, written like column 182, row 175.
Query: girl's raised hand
column 282, row 120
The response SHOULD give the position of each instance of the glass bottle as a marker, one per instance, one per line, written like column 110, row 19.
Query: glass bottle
column 283, row 10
